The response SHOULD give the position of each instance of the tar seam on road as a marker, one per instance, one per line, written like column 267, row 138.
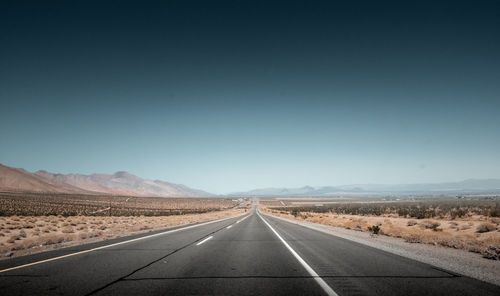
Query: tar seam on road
column 210, row 237
column 317, row 278
column 290, row 277
column 112, row 245
column 151, row 263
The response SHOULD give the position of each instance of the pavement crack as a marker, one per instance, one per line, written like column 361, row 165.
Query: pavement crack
column 155, row 261
column 446, row 271
column 283, row 277
column 23, row 275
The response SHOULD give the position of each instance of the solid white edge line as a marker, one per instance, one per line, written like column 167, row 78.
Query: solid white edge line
column 317, row 278
column 210, row 237
column 112, row 245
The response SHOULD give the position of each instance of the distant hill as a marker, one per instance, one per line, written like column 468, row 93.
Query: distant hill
column 19, row 179
column 119, row 183
column 466, row 186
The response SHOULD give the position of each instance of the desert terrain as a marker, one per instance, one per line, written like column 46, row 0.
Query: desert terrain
column 34, row 222
column 471, row 224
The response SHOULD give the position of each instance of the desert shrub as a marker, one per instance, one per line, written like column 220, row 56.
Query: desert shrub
column 411, row 223
column 422, row 209
column 374, row 229
column 60, row 206
column 16, row 247
column 465, row 227
column 92, row 234
column 13, row 238
column 28, row 225
column 430, row 225
column 413, row 238
column 67, row 229
column 492, row 252
column 30, row 244
column 495, row 212
column 486, row 227
column 54, row 239
column 452, row 242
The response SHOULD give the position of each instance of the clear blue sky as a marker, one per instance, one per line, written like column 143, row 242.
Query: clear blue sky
column 232, row 96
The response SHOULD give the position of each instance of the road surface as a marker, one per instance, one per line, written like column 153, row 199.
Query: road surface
column 253, row 254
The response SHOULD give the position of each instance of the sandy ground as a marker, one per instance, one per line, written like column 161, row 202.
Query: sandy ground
column 474, row 233
column 22, row 235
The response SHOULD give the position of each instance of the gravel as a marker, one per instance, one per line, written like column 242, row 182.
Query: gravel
column 458, row 261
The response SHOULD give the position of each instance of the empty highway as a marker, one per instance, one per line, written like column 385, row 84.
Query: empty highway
column 254, row 254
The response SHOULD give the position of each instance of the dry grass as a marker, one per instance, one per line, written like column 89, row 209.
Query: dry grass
column 486, row 227
column 421, row 208
column 474, row 233
column 58, row 231
column 37, row 204
column 30, row 222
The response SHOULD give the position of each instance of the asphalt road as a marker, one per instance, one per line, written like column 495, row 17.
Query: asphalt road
column 248, row 255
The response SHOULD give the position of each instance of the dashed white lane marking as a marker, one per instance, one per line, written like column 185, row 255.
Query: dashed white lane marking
column 242, row 219
column 210, row 237
column 319, row 280
column 112, row 245
column 229, row 226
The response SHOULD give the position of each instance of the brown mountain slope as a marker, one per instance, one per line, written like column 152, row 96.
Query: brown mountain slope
column 122, row 183
column 119, row 183
column 14, row 179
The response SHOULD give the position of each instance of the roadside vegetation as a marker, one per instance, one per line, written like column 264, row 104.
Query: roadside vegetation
column 419, row 209
column 32, row 222
column 46, row 204
column 471, row 224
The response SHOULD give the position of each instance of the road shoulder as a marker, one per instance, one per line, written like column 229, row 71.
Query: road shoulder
column 457, row 261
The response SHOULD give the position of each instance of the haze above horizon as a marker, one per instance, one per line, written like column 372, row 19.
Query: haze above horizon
column 231, row 96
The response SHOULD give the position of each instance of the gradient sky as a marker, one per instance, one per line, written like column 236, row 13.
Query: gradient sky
column 234, row 95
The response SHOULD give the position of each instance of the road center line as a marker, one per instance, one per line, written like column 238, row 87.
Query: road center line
column 319, row 280
column 112, row 245
column 210, row 237
column 241, row 220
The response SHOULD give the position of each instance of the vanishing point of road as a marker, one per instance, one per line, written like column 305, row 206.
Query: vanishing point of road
column 254, row 254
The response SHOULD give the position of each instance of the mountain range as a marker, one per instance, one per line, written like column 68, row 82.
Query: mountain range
column 119, row 183
column 123, row 183
column 466, row 186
